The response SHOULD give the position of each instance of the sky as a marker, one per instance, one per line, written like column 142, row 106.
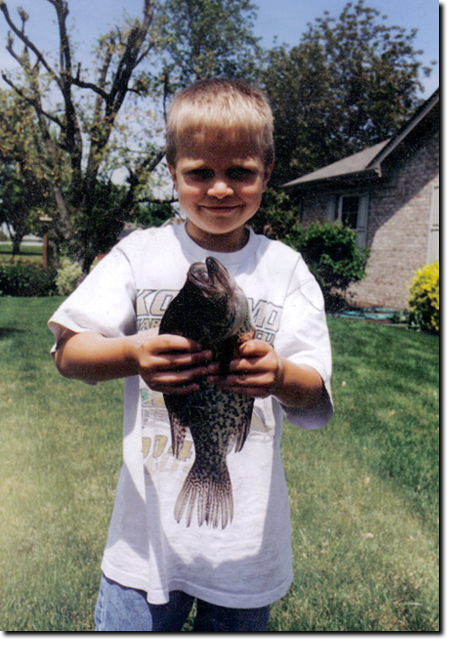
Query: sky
column 285, row 19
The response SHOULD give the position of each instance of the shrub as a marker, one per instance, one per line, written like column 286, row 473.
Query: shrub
column 69, row 276
column 332, row 255
column 26, row 279
column 277, row 215
column 424, row 299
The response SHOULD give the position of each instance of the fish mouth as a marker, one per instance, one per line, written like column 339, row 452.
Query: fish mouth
column 211, row 277
column 216, row 284
column 215, row 268
column 218, row 275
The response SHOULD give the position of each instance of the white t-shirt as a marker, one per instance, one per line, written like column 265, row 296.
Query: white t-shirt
column 247, row 564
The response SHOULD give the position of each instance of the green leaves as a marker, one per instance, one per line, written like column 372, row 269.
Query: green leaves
column 348, row 84
column 206, row 38
column 332, row 255
column 84, row 124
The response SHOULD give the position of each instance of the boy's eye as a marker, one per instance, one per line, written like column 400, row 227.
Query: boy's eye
column 239, row 173
column 201, row 174
column 236, row 173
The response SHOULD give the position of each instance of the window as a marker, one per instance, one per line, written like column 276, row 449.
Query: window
column 349, row 210
column 433, row 232
column 352, row 211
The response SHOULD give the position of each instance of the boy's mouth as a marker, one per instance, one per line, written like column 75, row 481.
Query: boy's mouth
column 220, row 208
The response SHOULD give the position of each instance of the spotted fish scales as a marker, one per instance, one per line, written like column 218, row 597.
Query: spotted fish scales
column 212, row 310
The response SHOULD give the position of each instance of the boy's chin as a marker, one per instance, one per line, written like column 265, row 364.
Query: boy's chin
column 219, row 239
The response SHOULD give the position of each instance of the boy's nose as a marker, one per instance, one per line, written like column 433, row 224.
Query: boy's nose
column 220, row 189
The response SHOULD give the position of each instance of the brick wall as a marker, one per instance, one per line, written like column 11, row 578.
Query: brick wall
column 399, row 217
column 398, row 225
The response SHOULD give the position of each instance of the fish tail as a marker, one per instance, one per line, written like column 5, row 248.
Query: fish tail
column 212, row 496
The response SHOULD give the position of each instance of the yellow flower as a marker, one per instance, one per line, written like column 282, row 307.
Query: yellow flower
column 424, row 298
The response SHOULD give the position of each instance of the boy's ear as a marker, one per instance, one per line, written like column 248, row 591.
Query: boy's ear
column 172, row 173
column 267, row 173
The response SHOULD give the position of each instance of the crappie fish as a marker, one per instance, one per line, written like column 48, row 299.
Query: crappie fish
column 212, row 310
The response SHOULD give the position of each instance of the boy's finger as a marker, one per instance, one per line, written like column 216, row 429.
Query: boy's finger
column 175, row 343
column 245, row 365
column 180, row 361
column 179, row 374
column 181, row 379
column 253, row 348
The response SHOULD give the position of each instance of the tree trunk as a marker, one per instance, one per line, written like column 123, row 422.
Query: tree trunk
column 16, row 242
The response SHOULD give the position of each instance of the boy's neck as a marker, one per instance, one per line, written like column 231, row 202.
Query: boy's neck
column 220, row 243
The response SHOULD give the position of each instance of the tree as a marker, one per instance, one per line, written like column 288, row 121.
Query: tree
column 208, row 38
column 349, row 84
column 277, row 215
column 23, row 192
column 93, row 128
column 199, row 39
column 70, row 171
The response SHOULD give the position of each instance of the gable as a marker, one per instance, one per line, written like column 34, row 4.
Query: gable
column 368, row 164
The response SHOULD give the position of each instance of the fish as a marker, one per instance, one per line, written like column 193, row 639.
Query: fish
column 212, row 310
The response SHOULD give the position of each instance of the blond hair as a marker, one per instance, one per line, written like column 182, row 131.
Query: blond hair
column 223, row 109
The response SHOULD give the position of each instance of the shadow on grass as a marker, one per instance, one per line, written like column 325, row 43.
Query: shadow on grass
column 10, row 331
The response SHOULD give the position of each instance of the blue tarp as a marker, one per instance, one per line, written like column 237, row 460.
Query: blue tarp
column 371, row 313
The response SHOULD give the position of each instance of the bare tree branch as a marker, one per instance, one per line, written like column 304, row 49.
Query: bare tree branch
column 27, row 42
column 89, row 86
column 145, row 52
column 129, row 59
column 33, row 102
column 103, row 124
column 151, row 162
column 10, row 50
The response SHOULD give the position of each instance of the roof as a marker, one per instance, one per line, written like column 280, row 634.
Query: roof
column 349, row 165
column 368, row 161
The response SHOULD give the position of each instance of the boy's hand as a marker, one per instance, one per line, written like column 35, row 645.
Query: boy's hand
column 256, row 371
column 168, row 363
column 171, row 364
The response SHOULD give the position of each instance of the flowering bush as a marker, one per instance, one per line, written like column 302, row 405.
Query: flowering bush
column 68, row 277
column 424, row 299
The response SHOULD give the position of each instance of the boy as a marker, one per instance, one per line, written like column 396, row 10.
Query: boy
column 220, row 155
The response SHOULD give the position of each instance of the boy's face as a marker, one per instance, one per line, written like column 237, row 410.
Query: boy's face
column 219, row 188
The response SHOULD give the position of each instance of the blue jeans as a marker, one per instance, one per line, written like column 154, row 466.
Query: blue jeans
column 121, row 609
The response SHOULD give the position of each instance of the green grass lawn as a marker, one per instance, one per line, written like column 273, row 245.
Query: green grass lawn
column 27, row 252
column 364, row 490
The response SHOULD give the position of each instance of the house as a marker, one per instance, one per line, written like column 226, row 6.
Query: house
column 389, row 194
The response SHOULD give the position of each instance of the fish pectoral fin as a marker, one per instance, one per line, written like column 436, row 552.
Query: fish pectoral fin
column 243, row 428
column 178, row 433
column 176, row 409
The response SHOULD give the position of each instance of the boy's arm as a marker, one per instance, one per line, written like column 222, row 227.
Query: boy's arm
column 259, row 371
column 167, row 363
